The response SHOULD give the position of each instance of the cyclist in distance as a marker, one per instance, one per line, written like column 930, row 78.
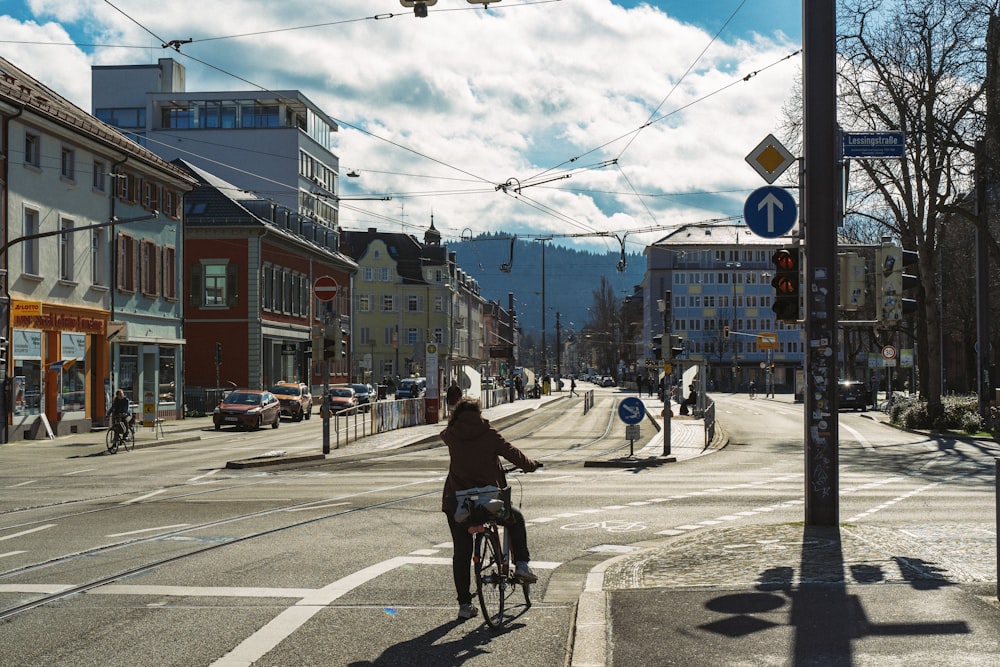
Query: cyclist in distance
column 120, row 409
column 475, row 448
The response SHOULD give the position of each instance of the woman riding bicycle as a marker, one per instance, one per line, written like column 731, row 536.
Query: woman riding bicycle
column 474, row 448
column 120, row 411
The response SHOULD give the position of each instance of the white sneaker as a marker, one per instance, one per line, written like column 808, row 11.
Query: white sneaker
column 466, row 611
column 523, row 573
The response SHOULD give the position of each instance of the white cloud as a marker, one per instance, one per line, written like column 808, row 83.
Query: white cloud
column 508, row 93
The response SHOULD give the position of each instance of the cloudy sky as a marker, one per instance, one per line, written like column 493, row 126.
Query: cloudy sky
column 601, row 116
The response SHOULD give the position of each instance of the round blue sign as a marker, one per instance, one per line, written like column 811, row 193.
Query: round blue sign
column 631, row 410
column 770, row 212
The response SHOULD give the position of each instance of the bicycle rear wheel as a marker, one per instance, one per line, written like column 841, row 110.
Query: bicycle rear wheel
column 128, row 439
column 491, row 577
column 111, row 441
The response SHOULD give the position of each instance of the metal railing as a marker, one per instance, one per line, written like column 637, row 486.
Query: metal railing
column 709, row 417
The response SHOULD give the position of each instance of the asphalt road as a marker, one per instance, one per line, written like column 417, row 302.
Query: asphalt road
column 163, row 556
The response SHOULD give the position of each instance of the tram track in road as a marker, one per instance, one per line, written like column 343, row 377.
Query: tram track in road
column 140, row 497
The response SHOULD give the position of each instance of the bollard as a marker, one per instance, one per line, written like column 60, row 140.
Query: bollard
column 667, row 415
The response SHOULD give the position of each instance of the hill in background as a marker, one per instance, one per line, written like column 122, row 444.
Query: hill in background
column 571, row 277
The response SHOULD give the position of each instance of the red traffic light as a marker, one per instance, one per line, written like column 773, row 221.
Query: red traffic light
column 785, row 261
column 784, row 285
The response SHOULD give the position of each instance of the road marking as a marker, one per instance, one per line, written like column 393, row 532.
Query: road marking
column 140, row 498
column 857, row 436
column 14, row 486
column 28, row 532
column 149, row 530
column 207, row 474
column 77, row 472
column 12, row 553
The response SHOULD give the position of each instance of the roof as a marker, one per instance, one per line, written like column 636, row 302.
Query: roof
column 19, row 88
column 410, row 255
column 721, row 235
column 216, row 203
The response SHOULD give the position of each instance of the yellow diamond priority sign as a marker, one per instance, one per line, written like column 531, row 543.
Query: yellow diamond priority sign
column 770, row 159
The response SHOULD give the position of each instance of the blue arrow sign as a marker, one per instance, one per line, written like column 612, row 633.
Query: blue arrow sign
column 631, row 410
column 770, row 211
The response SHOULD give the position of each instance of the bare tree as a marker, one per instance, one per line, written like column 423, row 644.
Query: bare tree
column 916, row 66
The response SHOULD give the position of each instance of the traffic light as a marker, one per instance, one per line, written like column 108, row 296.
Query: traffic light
column 892, row 282
column 676, row 346
column 331, row 346
column 852, row 280
column 786, row 284
column 658, row 347
column 419, row 6
column 218, row 354
column 725, row 331
column 3, row 351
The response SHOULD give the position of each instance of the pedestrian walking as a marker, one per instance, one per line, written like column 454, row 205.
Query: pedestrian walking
column 572, row 387
column 638, row 385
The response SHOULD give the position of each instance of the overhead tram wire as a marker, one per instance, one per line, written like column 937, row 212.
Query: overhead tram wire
column 177, row 43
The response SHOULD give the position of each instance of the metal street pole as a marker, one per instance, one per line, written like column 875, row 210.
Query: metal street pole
column 819, row 216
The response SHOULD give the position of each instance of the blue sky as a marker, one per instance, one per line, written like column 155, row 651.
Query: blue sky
column 453, row 105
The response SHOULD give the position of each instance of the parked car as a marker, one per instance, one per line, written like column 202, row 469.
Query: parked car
column 411, row 388
column 295, row 399
column 364, row 393
column 342, row 397
column 853, row 394
column 247, row 409
column 607, row 381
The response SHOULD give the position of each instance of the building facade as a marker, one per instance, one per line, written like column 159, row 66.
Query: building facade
column 710, row 286
column 408, row 295
column 252, row 313
column 92, row 235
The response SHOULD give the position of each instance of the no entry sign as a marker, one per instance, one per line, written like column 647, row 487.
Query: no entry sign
column 325, row 288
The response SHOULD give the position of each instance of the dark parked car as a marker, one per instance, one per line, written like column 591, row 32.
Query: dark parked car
column 295, row 399
column 853, row 394
column 363, row 392
column 247, row 409
column 411, row 388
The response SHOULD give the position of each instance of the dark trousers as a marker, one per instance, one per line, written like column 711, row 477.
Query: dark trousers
column 461, row 559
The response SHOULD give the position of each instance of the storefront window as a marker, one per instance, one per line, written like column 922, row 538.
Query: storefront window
column 168, row 375
column 128, row 370
column 27, row 351
column 73, row 387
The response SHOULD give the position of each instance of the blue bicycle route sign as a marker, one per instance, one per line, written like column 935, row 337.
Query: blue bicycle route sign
column 631, row 410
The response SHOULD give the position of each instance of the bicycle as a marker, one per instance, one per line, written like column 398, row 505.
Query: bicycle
column 494, row 572
column 121, row 434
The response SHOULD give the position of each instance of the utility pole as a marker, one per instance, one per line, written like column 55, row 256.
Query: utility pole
column 821, row 157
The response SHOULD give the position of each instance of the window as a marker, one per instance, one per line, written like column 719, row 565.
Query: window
column 66, row 249
column 31, row 246
column 412, row 303
column 127, row 258
column 97, row 254
column 368, row 274
column 412, row 336
column 383, row 274
column 439, row 335
column 215, row 285
column 171, row 204
column 267, row 280
column 439, row 304
column 32, row 150
column 388, row 303
column 150, row 195
column 169, row 273
column 100, row 176
column 364, row 303
column 67, row 164
column 150, row 268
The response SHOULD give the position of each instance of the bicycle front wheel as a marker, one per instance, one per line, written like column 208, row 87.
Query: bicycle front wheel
column 111, row 441
column 491, row 578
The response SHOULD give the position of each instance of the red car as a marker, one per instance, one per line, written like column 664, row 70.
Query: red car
column 342, row 398
column 247, row 409
column 295, row 399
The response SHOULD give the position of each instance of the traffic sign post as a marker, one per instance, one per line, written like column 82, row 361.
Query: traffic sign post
column 770, row 212
column 631, row 411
